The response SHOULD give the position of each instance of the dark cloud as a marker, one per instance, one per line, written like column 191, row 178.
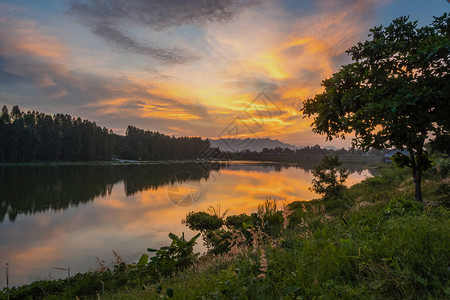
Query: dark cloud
column 159, row 14
column 117, row 38
column 106, row 18
column 133, row 104
column 139, row 104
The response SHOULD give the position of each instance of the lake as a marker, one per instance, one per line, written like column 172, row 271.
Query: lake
column 70, row 216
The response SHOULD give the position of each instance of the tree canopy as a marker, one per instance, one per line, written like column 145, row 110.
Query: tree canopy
column 396, row 93
column 35, row 136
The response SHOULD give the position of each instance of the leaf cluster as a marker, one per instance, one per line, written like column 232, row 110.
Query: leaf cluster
column 174, row 258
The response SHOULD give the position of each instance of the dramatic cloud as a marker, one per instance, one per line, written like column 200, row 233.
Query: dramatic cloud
column 108, row 20
column 116, row 37
column 183, row 67
column 159, row 14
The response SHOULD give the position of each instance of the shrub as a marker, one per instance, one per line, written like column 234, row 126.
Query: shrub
column 329, row 181
column 202, row 221
column 176, row 257
column 237, row 221
column 400, row 206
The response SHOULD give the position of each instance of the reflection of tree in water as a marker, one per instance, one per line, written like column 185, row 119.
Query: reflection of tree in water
column 29, row 190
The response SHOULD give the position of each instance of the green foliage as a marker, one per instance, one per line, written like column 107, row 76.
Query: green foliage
column 443, row 194
column 210, row 224
column 178, row 256
column 402, row 257
column 139, row 144
column 439, row 170
column 34, row 136
column 217, row 241
column 273, row 224
column 329, row 181
column 270, row 220
column 203, row 221
column 238, row 222
column 400, row 206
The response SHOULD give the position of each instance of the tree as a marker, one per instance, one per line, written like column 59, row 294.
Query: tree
column 396, row 93
column 5, row 135
column 329, row 180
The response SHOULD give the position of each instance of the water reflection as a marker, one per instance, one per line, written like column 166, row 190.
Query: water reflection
column 68, row 216
column 29, row 190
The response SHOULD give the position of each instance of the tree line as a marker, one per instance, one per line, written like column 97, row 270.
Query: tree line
column 35, row 136
column 139, row 144
column 316, row 150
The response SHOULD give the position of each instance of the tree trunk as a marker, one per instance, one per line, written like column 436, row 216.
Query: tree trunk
column 416, row 166
column 418, row 185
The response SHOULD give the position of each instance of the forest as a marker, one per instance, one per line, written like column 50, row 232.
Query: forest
column 35, row 136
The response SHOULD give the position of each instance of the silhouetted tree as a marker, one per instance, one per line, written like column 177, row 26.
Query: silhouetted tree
column 395, row 94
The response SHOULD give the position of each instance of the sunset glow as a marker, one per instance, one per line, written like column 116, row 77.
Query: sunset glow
column 188, row 74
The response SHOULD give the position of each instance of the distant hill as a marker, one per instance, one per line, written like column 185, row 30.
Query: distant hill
column 237, row 145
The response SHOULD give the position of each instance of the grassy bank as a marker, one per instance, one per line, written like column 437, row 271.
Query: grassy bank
column 375, row 242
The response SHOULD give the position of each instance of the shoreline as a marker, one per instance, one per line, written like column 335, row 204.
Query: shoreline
column 291, row 159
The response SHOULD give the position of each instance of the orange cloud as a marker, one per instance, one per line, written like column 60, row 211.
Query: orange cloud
column 265, row 48
column 21, row 37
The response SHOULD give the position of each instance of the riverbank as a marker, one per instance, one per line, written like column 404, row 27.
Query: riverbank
column 377, row 243
column 292, row 159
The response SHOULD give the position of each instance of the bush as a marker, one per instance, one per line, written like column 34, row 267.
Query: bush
column 217, row 241
column 237, row 221
column 203, row 221
column 329, row 180
column 439, row 170
column 400, row 206
column 174, row 258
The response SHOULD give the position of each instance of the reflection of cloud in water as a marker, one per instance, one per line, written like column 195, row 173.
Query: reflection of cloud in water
column 129, row 223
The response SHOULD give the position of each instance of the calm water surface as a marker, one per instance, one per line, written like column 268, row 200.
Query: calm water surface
column 67, row 216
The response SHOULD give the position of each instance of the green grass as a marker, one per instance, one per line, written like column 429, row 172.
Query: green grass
column 378, row 244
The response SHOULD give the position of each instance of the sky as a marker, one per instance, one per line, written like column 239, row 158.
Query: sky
column 223, row 68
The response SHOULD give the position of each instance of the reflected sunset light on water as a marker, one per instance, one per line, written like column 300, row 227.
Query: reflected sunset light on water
column 130, row 222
